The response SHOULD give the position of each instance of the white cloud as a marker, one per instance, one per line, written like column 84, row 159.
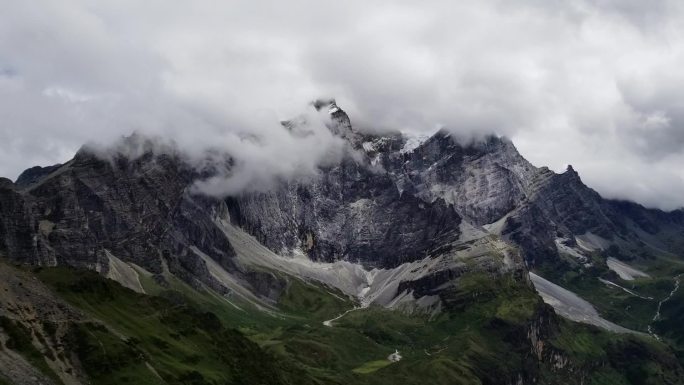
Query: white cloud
column 592, row 83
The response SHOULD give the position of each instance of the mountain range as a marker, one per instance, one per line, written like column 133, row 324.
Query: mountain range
column 409, row 260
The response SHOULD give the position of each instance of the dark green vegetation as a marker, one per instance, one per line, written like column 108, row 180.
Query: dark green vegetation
column 618, row 359
column 180, row 335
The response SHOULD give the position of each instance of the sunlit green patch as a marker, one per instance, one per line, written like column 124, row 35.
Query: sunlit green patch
column 372, row 366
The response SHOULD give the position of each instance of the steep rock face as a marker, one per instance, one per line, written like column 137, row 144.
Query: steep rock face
column 570, row 204
column 561, row 206
column 483, row 180
column 16, row 224
column 91, row 204
column 350, row 212
column 491, row 185
column 95, row 210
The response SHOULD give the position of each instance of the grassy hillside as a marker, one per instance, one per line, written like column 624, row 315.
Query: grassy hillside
column 158, row 339
column 184, row 336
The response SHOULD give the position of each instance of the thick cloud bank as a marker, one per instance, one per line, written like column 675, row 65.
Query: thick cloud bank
column 593, row 83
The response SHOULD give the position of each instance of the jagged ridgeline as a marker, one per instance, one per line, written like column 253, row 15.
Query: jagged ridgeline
column 408, row 261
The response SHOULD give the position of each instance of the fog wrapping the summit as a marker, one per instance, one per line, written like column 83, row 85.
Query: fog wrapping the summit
column 596, row 84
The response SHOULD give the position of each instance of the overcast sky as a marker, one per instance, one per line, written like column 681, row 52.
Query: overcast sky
column 596, row 84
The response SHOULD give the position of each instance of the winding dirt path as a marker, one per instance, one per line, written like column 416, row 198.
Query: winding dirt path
column 330, row 321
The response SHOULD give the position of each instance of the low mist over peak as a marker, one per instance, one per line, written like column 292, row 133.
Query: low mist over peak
column 240, row 160
column 592, row 83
